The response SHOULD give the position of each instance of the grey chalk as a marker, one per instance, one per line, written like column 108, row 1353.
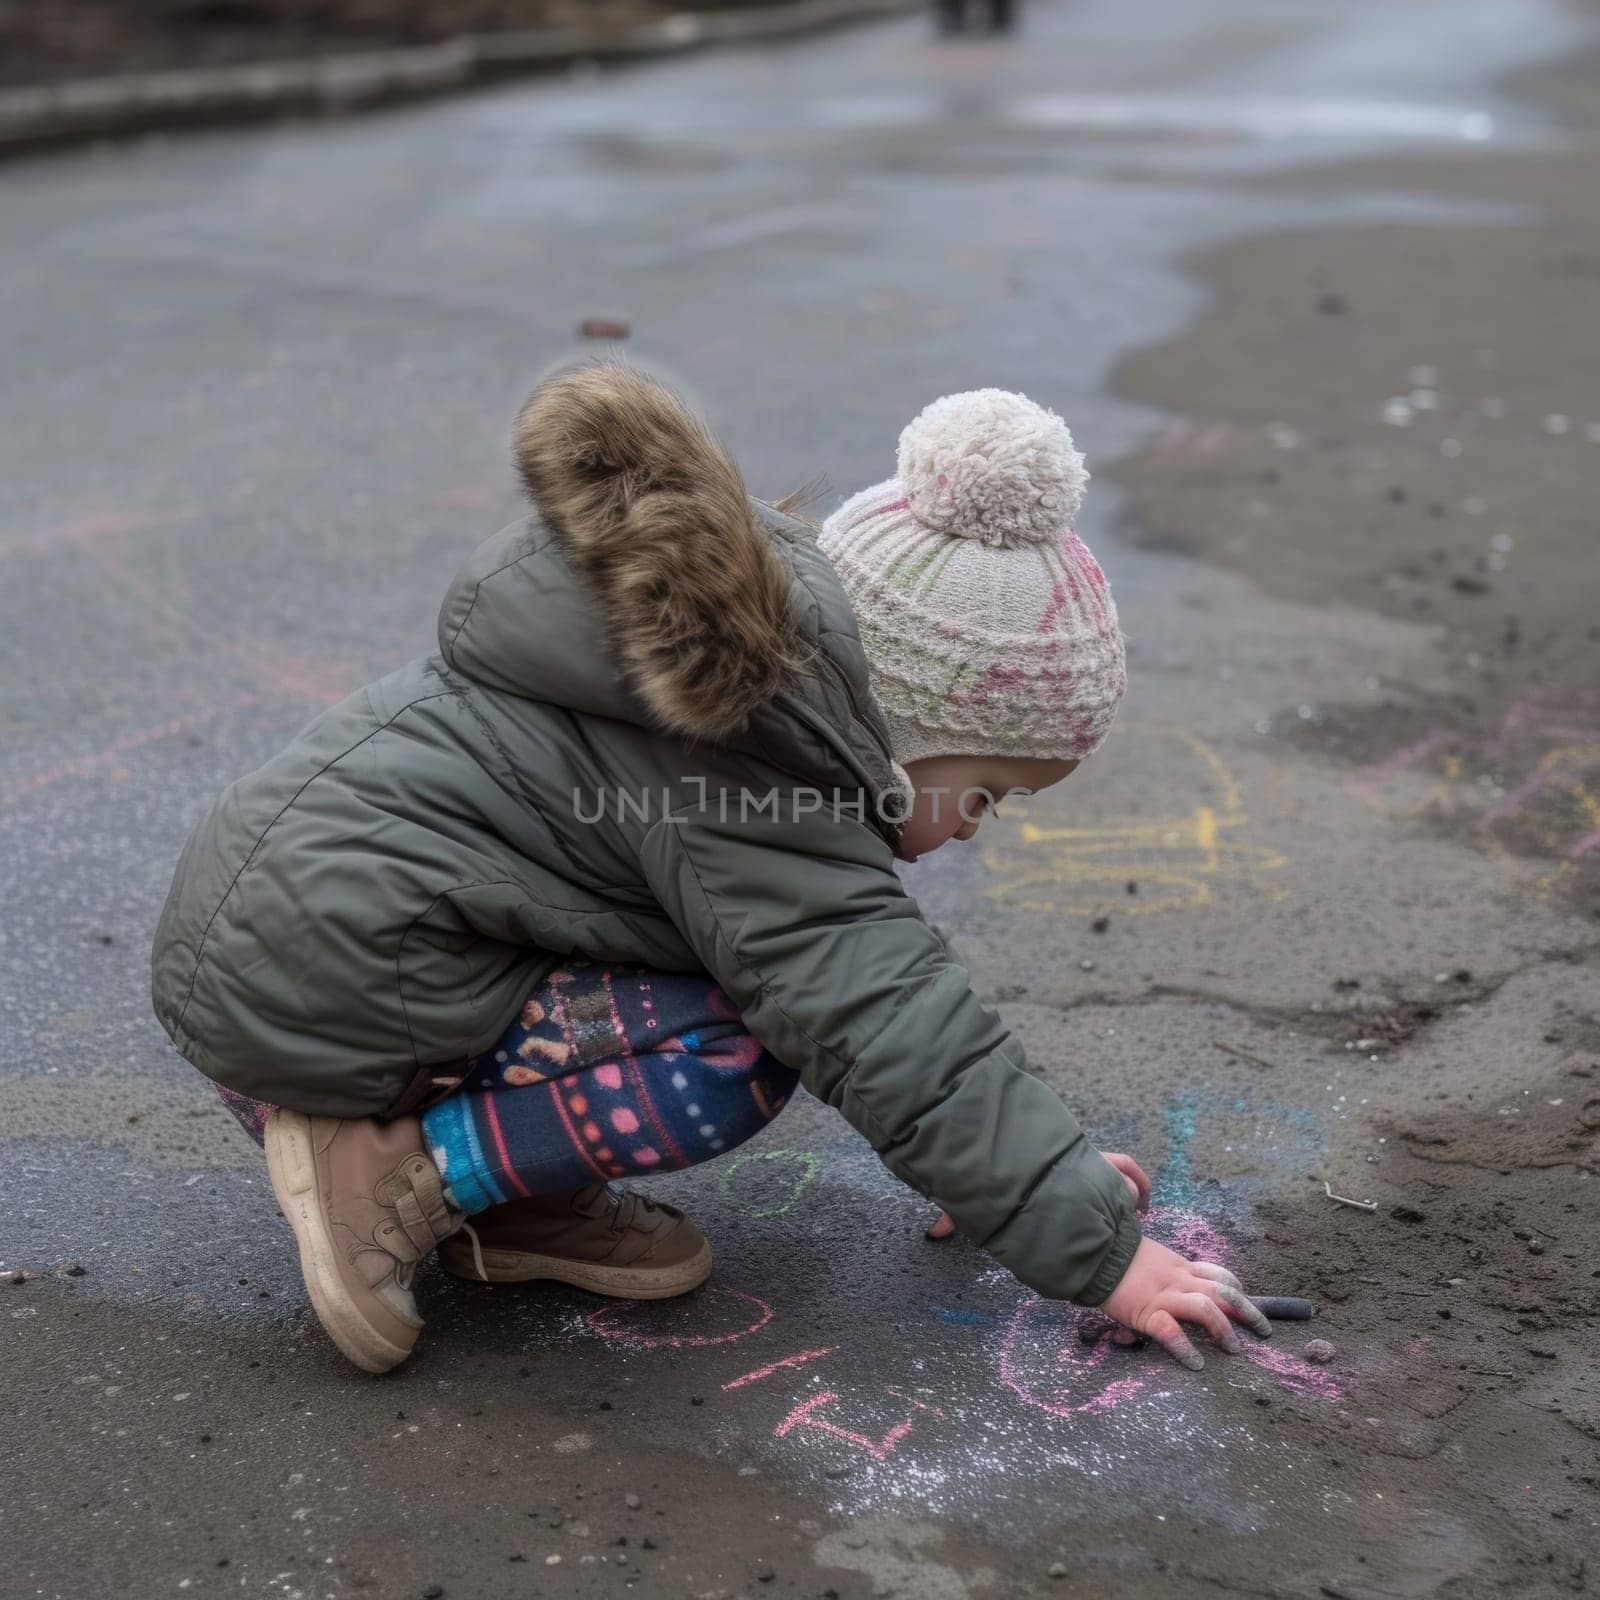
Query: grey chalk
column 1284, row 1307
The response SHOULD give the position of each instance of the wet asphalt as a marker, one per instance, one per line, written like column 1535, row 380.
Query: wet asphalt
column 258, row 390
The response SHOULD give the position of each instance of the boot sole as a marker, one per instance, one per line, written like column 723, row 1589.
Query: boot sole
column 619, row 1283
column 292, row 1165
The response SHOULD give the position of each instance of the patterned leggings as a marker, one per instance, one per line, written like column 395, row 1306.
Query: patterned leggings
column 609, row 1071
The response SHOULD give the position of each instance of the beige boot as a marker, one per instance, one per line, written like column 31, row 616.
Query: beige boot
column 366, row 1204
column 605, row 1240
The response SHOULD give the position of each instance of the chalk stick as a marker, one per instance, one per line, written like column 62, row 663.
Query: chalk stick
column 1283, row 1307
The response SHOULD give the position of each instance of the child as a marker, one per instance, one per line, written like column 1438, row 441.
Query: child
column 584, row 894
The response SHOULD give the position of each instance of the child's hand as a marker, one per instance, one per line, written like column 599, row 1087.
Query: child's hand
column 1132, row 1175
column 1160, row 1289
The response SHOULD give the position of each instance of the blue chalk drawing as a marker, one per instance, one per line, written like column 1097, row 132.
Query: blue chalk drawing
column 1297, row 1136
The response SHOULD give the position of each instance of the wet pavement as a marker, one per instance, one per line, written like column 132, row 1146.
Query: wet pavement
column 260, row 390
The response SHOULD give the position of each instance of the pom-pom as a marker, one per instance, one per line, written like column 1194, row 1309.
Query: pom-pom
column 993, row 466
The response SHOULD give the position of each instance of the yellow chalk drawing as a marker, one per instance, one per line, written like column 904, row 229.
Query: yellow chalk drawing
column 1177, row 861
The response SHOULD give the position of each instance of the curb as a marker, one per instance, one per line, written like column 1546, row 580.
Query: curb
column 329, row 85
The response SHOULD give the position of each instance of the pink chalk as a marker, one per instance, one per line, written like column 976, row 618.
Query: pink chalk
column 804, row 1416
column 776, row 1366
column 1070, row 1359
column 1295, row 1374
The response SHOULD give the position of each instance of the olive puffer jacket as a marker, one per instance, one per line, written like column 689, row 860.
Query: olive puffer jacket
column 649, row 736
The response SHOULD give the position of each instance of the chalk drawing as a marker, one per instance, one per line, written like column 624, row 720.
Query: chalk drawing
column 106, row 758
column 1044, row 1361
column 1045, row 1364
column 91, row 522
column 799, row 1360
column 1295, row 1375
column 1544, row 759
column 971, row 1319
column 806, row 1415
column 1177, row 861
column 728, row 1183
column 1259, row 1131
column 604, row 1322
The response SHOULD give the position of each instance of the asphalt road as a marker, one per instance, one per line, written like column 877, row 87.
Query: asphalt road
column 258, row 391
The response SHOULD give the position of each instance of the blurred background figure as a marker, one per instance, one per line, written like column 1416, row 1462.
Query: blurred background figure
column 955, row 16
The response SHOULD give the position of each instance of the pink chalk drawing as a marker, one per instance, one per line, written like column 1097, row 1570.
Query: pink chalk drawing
column 603, row 1322
column 777, row 1366
column 1556, row 750
column 1297, row 1376
column 106, row 756
column 1045, row 1363
column 1401, row 760
column 1036, row 1323
column 921, row 1405
column 805, row 1415
column 1187, row 1233
column 90, row 522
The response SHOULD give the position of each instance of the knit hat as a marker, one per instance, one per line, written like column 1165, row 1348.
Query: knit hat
column 988, row 626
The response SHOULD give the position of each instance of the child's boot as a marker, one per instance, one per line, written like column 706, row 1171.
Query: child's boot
column 609, row 1241
column 366, row 1204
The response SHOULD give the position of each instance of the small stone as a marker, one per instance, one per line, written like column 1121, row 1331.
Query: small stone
column 1133, row 887
column 1535, row 1248
column 1408, row 1214
column 1320, row 1351
column 1056, row 1569
column 432, row 1591
column 841, row 1471
column 765, row 1572
column 632, row 1501
column 1086, row 964
column 647, row 1543
column 70, row 1269
column 1100, row 924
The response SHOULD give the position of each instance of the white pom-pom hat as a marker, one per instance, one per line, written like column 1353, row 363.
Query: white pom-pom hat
column 988, row 625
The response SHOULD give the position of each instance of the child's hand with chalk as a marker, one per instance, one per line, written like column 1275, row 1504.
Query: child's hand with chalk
column 1162, row 1289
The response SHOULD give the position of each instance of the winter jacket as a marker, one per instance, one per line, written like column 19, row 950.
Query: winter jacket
column 648, row 735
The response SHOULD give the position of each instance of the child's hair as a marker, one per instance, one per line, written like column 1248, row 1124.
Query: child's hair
column 988, row 625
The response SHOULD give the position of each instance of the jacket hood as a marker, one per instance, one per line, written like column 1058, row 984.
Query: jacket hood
column 650, row 587
column 652, row 517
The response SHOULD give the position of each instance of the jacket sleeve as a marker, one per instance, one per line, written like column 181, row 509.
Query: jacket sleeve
column 806, row 927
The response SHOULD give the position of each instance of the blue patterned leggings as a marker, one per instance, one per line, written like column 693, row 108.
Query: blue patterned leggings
column 609, row 1071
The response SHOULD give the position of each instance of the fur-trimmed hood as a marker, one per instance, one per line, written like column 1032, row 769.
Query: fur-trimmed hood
column 650, row 587
column 652, row 516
